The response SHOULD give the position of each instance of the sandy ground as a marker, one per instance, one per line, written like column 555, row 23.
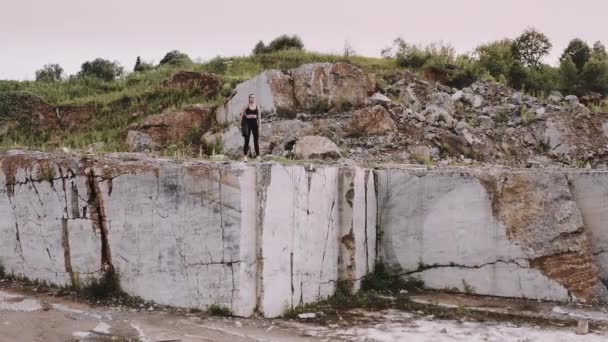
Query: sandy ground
column 33, row 317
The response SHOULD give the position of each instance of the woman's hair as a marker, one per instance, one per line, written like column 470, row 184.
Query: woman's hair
column 252, row 94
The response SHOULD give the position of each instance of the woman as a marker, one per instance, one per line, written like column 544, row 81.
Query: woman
column 251, row 113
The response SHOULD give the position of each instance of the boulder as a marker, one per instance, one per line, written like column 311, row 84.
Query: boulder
column 555, row 97
column 273, row 91
column 315, row 146
column 372, row 121
column 379, row 98
column 201, row 83
column 319, row 87
column 485, row 122
column 139, row 142
column 174, row 127
column 443, row 101
column 572, row 100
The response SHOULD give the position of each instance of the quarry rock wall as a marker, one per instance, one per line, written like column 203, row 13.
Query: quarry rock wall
column 268, row 237
column 264, row 237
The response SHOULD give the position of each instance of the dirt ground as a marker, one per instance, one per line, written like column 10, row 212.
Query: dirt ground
column 29, row 316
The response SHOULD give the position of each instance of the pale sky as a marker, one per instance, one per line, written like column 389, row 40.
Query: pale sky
column 69, row 32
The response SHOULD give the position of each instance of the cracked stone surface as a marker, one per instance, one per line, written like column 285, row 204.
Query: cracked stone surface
column 268, row 237
column 260, row 237
column 502, row 233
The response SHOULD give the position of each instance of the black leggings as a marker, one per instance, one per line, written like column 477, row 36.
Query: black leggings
column 252, row 125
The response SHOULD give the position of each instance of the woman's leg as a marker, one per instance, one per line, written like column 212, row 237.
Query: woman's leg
column 256, row 135
column 246, row 145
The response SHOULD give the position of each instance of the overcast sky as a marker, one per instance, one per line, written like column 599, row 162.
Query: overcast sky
column 69, row 32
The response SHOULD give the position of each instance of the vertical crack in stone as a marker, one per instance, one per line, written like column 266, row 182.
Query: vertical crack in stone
column 293, row 290
column 65, row 243
column 263, row 179
column 98, row 219
column 65, row 234
column 18, row 246
column 221, row 205
column 365, row 180
column 329, row 228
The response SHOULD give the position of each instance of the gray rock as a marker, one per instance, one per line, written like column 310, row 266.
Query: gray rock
column 139, row 142
column 419, row 117
column 457, row 96
column 555, row 97
column 461, row 126
column 485, row 122
column 572, row 100
column 477, row 101
column 316, row 146
column 379, row 98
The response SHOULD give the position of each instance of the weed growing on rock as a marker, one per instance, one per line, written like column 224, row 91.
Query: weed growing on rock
column 106, row 287
column 219, row 310
column 46, row 173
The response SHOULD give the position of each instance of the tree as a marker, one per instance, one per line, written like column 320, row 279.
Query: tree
column 175, row 57
column 530, row 47
column 259, row 48
column 568, row 76
column 49, row 73
column 285, row 42
column 496, row 57
column 594, row 76
column 349, row 51
column 599, row 50
column 141, row 66
column 101, row 68
column 578, row 51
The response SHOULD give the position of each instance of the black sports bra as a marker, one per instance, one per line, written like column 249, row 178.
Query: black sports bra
column 250, row 111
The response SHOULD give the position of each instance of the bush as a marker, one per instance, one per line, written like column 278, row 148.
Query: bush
column 141, row 66
column 496, row 57
column 219, row 310
column 175, row 57
column 102, row 69
column 280, row 43
column 49, row 73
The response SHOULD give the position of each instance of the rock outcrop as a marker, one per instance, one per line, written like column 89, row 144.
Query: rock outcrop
column 316, row 147
column 204, row 84
column 313, row 88
column 372, row 121
column 171, row 127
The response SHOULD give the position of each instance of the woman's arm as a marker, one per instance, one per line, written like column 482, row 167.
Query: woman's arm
column 259, row 119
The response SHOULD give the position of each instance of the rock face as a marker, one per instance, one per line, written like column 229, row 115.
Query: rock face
column 273, row 237
column 489, row 232
column 372, row 121
column 316, row 147
column 205, row 84
column 173, row 127
column 139, row 142
column 314, row 88
column 321, row 86
column 265, row 236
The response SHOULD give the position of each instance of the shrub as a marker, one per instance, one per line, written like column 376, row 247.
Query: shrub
column 49, row 73
column 141, row 66
column 283, row 42
column 102, row 69
column 219, row 310
column 175, row 57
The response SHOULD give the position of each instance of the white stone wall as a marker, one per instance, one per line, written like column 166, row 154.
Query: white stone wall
column 591, row 193
column 439, row 227
column 263, row 236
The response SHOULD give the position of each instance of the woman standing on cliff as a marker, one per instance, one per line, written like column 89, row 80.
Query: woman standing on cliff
column 250, row 123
